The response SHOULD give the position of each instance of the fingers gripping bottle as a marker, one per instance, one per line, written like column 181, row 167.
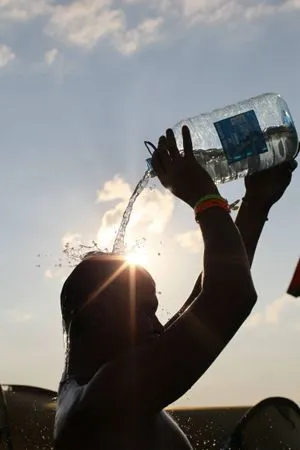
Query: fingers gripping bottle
column 241, row 139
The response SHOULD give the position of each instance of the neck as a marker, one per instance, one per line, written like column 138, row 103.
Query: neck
column 80, row 366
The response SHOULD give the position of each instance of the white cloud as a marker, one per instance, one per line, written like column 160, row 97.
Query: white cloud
column 291, row 5
column 151, row 213
column 203, row 8
column 275, row 309
column 23, row 10
column 6, row 55
column 216, row 11
column 153, row 210
column 18, row 316
column 273, row 312
column 262, row 9
column 146, row 32
column 115, row 189
column 254, row 320
column 190, row 240
column 50, row 56
column 51, row 274
column 84, row 22
column 157, row 5
column 109, row 225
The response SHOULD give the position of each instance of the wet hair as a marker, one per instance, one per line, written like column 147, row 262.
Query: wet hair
column 92, row 272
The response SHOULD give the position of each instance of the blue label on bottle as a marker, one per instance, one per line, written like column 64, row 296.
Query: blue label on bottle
column 241, row 136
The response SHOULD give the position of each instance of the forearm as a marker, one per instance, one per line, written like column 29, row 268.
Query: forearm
column 250, row 221
column 250, row 228
column 223, row 247
column 228, row 294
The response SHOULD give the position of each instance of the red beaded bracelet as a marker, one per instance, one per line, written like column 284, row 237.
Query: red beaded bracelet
column 210, row 202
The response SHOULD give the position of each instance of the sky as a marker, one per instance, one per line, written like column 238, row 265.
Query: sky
column 82, row 85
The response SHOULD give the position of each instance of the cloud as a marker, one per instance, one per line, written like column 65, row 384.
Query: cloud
column 151, row 213
column 17, row 316
column 262, row 10
column 213, row 12
column 82, row 23
column 115, row 189
column 58, row 272
column 146, row 32
column 217, row 11
column 203, row 9
column 6, row 55
column 272, row 313
column 150, row 216
column 254, row 320
column 275, row 309
column 153, row 210
column 23, row 10
column 292, row 4
column 50, row 56
column 190, row 240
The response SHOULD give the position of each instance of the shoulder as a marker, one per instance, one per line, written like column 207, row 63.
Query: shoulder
column 68, row 401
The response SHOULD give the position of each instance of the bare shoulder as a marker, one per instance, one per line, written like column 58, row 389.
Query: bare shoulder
column 68, row 401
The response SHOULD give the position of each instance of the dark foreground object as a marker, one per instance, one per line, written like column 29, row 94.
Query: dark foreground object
column 27, row 418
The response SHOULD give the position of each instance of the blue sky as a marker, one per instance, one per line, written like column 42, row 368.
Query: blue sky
column 82, row 84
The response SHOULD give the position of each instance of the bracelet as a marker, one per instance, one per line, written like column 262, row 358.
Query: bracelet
column 208, row 197
column 208, row 202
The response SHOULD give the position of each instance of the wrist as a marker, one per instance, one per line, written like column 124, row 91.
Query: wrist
column 194, row 200
column 212, row 215
column 256, row 205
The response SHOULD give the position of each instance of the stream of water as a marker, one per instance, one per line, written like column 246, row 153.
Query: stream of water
column 119, row 244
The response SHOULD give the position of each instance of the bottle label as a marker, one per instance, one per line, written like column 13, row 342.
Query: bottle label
column 241, row 136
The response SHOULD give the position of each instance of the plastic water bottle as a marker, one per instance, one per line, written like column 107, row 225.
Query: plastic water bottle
column 241, row 139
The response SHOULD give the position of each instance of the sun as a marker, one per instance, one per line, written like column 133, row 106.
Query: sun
column 137, row 257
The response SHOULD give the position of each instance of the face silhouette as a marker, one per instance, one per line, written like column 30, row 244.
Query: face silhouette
column 120, row 309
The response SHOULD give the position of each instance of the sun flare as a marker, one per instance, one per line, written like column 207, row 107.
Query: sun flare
column 137, row 257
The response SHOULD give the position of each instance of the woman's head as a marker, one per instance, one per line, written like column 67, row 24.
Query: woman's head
column 109, row 305
column 89, row 276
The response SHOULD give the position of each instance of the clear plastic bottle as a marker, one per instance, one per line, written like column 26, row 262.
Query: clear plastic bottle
column 240, row 139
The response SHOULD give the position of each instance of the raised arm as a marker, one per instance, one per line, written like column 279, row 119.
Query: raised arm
column 263, row 190
column 163, row 369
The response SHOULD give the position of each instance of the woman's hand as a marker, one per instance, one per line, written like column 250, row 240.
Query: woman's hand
column 265, row 188
column 181, row 174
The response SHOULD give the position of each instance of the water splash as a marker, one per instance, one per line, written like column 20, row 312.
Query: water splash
column 119, row 244
column 77, row 252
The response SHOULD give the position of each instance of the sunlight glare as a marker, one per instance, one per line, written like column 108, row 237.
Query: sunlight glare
column 105, row 237
column 137, row 257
